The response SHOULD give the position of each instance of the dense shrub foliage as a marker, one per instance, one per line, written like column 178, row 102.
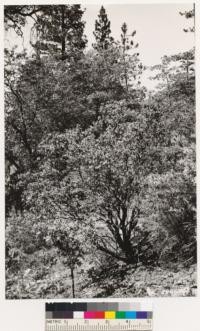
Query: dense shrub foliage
column 100, row 175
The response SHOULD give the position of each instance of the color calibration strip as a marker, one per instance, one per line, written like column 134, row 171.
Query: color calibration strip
column 99, row 314
column 94, row 310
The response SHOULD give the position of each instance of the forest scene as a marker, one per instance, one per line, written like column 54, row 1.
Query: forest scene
column 99, row 169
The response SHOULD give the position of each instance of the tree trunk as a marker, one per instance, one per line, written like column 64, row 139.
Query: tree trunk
column 73, row 284
column 63, row 34
column 121, row 232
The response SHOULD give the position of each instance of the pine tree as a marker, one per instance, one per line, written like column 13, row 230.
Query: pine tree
column 130, row 61
column 125, row 38
column 188, row 15
column 60, row 31
column 102, row 31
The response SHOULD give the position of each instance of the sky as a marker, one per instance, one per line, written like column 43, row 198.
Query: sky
column 159, row 29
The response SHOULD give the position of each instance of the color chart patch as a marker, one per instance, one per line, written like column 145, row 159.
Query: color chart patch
column 84, row 316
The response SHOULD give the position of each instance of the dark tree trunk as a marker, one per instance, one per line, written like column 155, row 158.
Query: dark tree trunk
column 122, row 231
column 63, row 34
column 73, row 284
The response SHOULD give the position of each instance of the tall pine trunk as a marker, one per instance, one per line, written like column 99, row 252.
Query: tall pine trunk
column 73, row 283
column 63, row 34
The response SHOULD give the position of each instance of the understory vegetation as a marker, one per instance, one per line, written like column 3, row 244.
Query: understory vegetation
column 100, row 173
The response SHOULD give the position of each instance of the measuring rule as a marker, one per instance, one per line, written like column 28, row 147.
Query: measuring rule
column 98, row 316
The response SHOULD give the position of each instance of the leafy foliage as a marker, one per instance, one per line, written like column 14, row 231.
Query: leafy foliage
column 100, row 178
column 15, row 16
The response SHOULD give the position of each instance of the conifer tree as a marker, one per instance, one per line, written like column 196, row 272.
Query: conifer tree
column 60, row 30
column 190, row 14
column 102, row 31
column 130, row 60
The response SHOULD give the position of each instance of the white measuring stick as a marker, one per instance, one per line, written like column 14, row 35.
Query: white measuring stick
column 98, row 325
